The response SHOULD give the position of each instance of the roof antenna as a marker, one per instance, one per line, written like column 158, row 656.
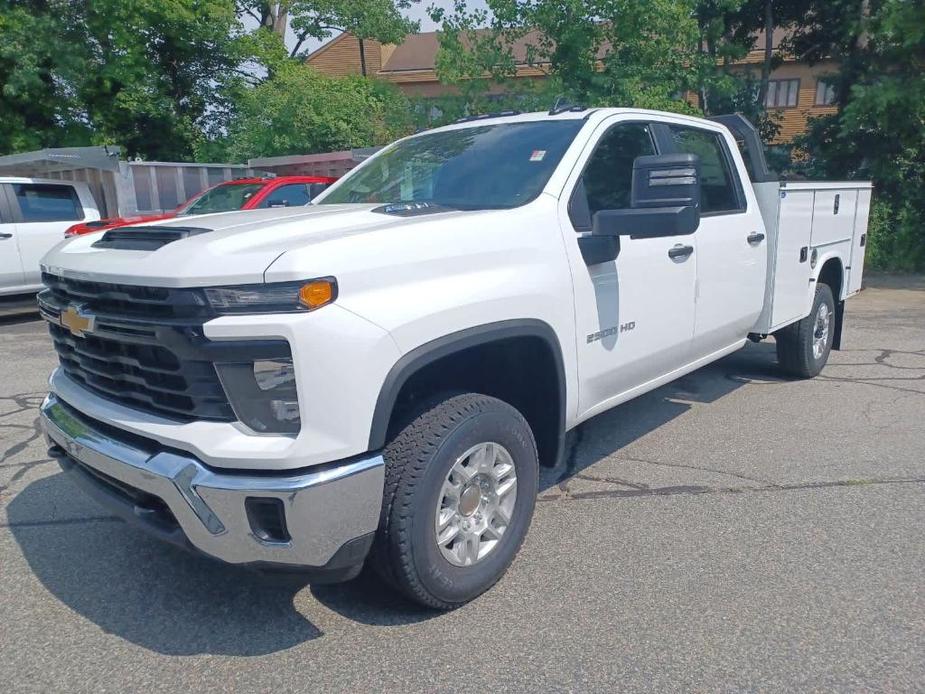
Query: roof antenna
column 561, row 106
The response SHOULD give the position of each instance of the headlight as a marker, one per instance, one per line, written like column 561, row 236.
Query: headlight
column 263, row 394
column 280, row 297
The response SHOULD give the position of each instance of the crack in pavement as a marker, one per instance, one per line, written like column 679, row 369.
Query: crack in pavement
column 698, row 489
column 23, row 402
column 62, row 521
column 881, row 359
column 20, row 473
column 700, row 468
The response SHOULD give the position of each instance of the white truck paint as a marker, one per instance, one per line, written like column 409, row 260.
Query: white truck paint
column 34, row 213
column 430, row 299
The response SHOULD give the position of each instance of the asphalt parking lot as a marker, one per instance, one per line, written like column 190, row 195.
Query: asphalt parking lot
column 733, row 530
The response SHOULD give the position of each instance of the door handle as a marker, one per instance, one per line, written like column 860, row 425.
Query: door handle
column 755, row 238
column 680, row 251
column 6, row 236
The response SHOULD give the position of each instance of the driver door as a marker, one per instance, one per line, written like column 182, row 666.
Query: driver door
column 634, row 315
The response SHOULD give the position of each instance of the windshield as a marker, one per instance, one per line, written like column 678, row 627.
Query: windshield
column 223, row 198
column 481, row 167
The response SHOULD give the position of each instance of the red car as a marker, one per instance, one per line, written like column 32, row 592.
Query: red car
column 241, row 194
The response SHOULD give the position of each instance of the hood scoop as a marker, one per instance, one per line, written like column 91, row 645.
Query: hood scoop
column 146, row 238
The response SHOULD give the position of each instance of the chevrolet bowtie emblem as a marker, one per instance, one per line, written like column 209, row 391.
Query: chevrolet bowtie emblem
column 79, row 323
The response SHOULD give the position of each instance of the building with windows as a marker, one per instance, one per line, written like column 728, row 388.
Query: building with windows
column 797, row 91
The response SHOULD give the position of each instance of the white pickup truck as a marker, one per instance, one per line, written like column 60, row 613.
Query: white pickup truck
column 377, row 377
column 34, row 213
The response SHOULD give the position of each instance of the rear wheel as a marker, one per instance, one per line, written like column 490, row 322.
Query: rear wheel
column 461, row 482
column 804, row 347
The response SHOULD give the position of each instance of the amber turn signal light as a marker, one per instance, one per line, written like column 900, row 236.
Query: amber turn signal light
column 317, row 293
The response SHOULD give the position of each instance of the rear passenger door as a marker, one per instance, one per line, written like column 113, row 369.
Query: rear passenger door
column 10, row 264
column 44, row 211
column 731, row 246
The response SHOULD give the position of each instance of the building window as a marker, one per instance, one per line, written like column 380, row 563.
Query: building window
column 825, row 93
column 783, row 94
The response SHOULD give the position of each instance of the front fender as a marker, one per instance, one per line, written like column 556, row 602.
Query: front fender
column 445, row 346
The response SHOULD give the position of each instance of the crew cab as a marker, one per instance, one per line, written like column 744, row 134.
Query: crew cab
column 239, row 194
column 377, row 377
column 34, row 212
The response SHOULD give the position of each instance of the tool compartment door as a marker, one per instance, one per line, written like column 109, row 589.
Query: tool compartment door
column 833, row 216
column 791, row 263
column 859, row 242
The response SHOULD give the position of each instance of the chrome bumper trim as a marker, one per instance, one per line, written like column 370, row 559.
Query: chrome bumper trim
column 325, row 508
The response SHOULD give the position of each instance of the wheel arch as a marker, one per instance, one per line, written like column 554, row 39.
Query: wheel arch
column 474, row 341
column 832, row 273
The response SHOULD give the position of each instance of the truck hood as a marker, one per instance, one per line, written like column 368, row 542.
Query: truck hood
column 237, row 249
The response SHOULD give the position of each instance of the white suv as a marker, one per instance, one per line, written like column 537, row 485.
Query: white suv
column 34, row 214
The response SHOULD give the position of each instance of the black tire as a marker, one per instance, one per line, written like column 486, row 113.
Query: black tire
column 417, row 461
column 795, row 342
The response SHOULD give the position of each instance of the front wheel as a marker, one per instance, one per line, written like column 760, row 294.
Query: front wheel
column 460, row 487
column 804, row 347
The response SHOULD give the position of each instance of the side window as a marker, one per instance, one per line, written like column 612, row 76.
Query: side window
column 292, row 195
column 315, row 189
column 608, row 175
column 5, row 216
column 42, row 202
column 721, row 192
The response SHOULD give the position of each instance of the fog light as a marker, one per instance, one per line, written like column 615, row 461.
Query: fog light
column 263, row 394
column 273, row 373
column 267, row 518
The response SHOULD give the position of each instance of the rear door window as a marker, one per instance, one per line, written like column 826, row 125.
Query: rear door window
column 722, row 193
column 316, row 189
column 291, row 195
column 43, row 202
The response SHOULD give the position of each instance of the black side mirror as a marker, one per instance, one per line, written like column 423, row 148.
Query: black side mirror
column 666, row 180
column 665, row 200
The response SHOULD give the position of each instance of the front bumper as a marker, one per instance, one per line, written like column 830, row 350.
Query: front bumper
column 320, row 519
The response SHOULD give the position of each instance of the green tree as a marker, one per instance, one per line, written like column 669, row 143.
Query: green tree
column 146, row 74
column 879, row 131
column 729, row 31
column 36, row 107
column 153, row 69
column 381, row 20
column 300, row 111
column 616, row 52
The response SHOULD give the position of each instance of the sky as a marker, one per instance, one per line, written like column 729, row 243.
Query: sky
column 419, row 11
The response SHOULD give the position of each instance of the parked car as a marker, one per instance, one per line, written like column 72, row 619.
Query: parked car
column 240, row 194
column 378, row 376
column 33, row 214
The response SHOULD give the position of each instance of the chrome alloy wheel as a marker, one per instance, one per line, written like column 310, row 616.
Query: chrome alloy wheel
column 476, row 504
column 821, row 331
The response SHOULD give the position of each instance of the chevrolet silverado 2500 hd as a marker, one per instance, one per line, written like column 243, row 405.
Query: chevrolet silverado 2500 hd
column 377, row 377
